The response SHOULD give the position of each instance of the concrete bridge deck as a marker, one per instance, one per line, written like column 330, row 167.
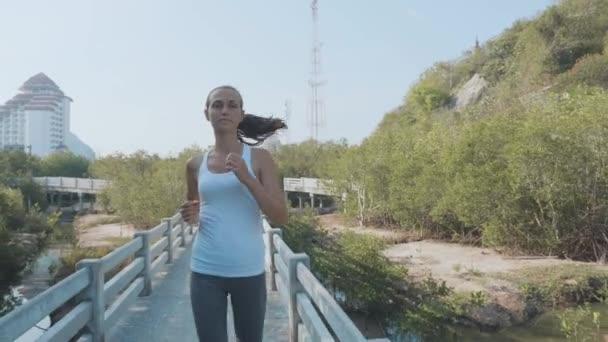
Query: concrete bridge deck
column 167, row 316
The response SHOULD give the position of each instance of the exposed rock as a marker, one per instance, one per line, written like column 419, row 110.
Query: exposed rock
column 470, row 92
column 489, row 317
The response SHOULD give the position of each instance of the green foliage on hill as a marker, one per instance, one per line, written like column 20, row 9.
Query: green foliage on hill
column 522, row 168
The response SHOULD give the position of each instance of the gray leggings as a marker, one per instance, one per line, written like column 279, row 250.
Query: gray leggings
column 209, row 298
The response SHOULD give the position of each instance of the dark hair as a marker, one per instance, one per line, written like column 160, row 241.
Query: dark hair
column 253, row 127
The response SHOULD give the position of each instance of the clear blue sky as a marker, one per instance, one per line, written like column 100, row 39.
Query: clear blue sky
column 139, row 71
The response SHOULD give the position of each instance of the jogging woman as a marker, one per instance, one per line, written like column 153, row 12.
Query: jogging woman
column 228, row 190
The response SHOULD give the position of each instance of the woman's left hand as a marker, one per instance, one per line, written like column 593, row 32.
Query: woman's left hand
column 236, row 164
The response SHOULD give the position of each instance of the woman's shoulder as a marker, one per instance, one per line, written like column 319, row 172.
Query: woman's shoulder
column 260, row 154
column 261, row 159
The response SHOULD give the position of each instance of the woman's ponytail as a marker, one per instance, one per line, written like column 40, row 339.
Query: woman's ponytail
column 258, row 128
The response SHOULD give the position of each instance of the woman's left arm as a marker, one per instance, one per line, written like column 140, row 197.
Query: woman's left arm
column 266, row 189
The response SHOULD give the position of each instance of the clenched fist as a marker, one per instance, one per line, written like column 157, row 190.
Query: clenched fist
column 236, row 164
column 189, row 211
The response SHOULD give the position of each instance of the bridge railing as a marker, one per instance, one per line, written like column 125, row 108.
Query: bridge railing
column 72, row 184
column 308, row 185
column 100, row 302
column 310, row 305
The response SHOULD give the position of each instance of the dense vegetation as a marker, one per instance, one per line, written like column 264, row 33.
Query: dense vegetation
column 523, row 168
column 308, row 159
column 24, row 227
column 145, row 187
column 364, row 281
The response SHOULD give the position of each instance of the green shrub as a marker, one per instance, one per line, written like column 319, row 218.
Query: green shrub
column 590, row 70
column 309, row 158
column 64, row 164
column 145, row 188
column 67, row 263
column 428, row 98
column 363, row 280
column 573, row 29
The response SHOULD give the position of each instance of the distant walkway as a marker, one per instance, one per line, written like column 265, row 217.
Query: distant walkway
column 167, row 315
column 73, row 185
column 94, row 186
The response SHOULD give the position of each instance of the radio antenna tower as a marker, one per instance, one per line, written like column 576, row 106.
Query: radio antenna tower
column 287, row 117
column 316, row 102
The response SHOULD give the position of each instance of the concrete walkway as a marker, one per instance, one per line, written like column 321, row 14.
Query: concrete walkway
column 166, row 315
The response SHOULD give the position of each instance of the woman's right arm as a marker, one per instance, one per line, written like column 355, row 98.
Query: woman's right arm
column 190, row 207
column 192, row 179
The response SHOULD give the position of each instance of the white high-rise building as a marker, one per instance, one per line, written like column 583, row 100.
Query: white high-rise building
column 38, row 117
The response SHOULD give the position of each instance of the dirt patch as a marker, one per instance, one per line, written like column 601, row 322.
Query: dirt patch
column 337, row 223
column 494, row 290
column 92, row 235
column 465, row 268
column 91, row 220
column 483, row 274
column 86, row 220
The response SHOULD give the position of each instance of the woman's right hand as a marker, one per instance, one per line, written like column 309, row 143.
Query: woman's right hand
column 189, row 211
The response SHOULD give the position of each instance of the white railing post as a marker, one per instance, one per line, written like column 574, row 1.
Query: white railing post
column 182, row 232
column 94, row 293
column 270, row 251
column 145, row 253
column 168, row 234
column 294, row 287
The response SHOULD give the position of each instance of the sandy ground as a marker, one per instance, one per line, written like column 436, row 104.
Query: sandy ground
column 464, row 268
column 335, row 223
column 458, row 264
column 468, row 269
column 100, row 235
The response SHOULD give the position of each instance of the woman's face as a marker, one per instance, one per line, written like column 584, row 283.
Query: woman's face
column 224, row 109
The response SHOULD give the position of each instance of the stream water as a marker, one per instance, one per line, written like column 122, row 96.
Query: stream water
column 37, row 276
column 545, row 328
